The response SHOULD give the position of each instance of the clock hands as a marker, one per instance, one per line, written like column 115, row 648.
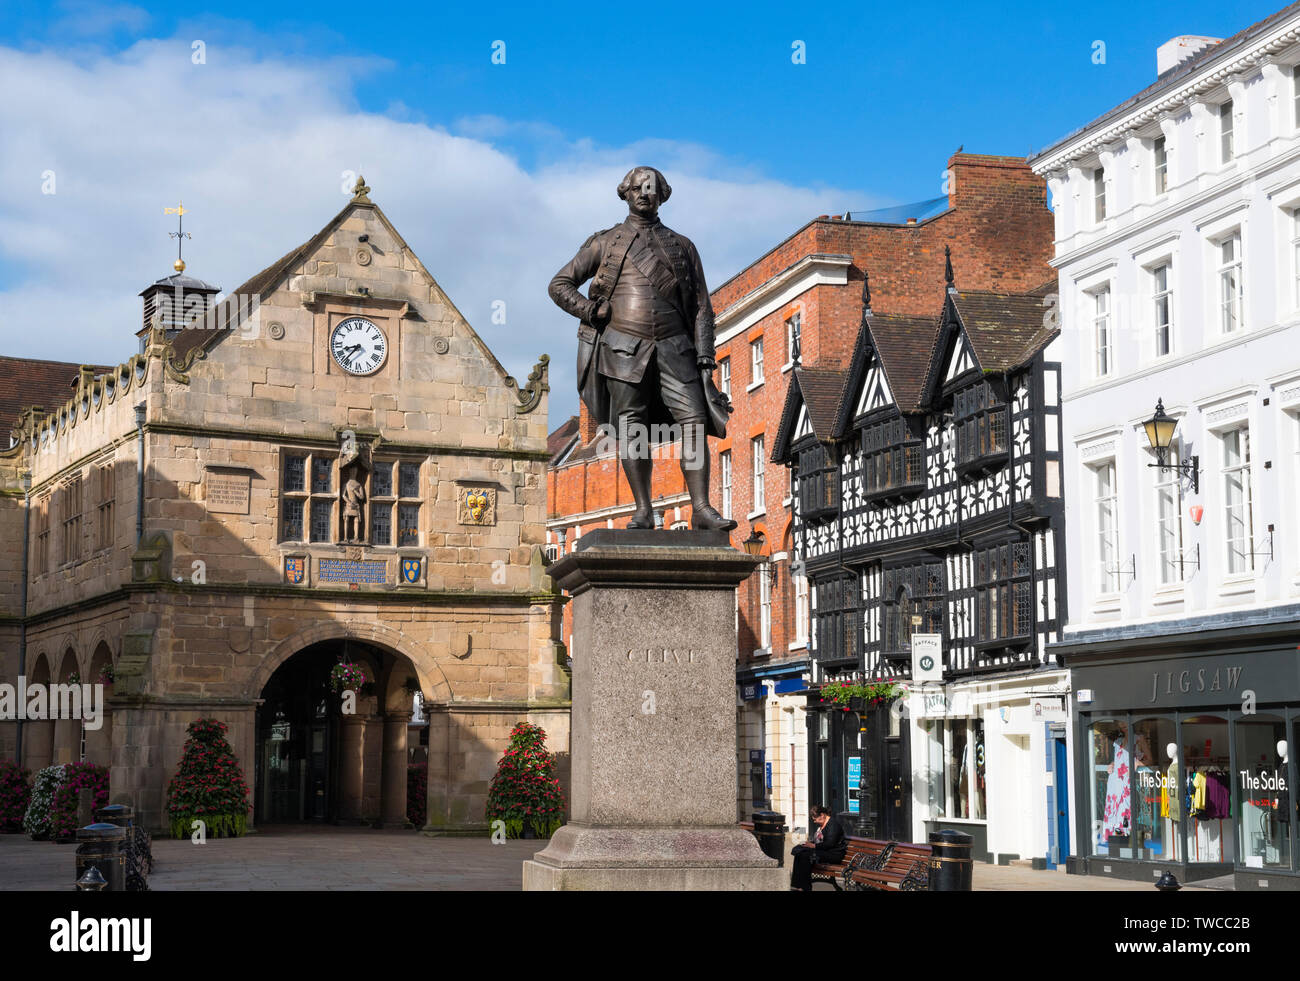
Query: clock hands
column 347, row 355
column 353, row 357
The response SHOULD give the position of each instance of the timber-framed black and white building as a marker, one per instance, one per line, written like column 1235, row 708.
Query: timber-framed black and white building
column 927, row 487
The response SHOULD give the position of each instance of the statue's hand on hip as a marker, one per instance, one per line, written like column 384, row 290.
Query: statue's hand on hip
column 601, row 314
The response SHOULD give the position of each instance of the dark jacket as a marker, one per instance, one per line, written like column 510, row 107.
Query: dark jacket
column 833, row 845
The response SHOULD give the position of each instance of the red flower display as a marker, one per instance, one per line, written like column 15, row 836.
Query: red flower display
column 525, row 792
column 208, row 785
column 15, row 795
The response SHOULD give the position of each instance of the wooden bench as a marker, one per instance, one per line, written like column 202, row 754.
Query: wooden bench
column 858, row 852
column 901, row 867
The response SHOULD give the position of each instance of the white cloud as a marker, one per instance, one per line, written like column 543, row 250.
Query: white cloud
column 256, row 146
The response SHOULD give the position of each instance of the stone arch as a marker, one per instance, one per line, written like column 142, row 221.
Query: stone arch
column 67, row 665
column 67, row 643
column 101, row 638
column 432, row 681
column 38, row 735
column 40, row 673
column 364, row 777
column 99, row 742
column 67, row 732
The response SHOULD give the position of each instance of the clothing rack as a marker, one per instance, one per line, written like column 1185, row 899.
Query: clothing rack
column 1207, row 764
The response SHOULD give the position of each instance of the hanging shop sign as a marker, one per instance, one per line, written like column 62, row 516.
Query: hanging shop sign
column 927, row 657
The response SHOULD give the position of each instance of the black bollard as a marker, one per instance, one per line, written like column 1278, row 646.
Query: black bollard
column 92, row 881
column 122, row 815
column 138, row 847
column 1168, row 882
column 101, row 848
column 951, row 869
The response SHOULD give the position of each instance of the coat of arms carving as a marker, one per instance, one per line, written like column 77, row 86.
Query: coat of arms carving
column 478, row 506
column 295, row 569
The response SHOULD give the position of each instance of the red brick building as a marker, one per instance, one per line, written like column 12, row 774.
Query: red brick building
column 1000, row 231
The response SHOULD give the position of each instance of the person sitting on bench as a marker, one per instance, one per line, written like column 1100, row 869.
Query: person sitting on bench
column 827, row 844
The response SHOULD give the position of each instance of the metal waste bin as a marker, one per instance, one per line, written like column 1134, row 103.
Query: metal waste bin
column 100, row 845
column 950, row 861
column 769, row 829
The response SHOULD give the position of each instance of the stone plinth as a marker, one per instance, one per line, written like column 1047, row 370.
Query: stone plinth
column 654, row 719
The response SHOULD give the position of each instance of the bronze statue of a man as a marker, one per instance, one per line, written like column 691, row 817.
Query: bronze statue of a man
column 645, row 344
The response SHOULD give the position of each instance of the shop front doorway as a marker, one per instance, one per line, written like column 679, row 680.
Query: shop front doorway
column 1059, row 848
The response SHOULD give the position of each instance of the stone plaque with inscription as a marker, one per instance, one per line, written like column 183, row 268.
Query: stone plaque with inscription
column 226, row 493
column 351, row 571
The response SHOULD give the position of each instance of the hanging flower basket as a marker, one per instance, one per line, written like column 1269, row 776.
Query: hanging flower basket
column 860, row 697
column 348, row 676
column 107, row 675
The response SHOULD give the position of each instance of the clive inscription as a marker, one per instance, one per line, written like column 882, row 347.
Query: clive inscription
column 663, row 655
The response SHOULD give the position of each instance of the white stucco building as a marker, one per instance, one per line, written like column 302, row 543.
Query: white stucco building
column 1178, row 251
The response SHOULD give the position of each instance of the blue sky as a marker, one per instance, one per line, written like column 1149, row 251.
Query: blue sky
column 753, row 144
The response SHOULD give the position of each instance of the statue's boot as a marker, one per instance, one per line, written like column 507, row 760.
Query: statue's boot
column 704, row 516
column 638, row 473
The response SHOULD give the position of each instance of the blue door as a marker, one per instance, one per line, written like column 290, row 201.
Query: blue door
column 1061, row 784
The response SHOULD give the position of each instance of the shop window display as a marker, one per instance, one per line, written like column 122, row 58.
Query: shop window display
column 1263, row 792
column 1112, row 799
column 1207, row 790
column 955, row 760
column 1155, row 773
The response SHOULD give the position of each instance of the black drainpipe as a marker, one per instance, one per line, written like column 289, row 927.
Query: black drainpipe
column 22, row 621
column 139, row 474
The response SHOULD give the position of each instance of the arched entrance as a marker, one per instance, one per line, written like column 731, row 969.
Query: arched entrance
column 316, row 762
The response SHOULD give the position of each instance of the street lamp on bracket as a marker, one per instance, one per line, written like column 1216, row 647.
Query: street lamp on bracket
column 1160, row 434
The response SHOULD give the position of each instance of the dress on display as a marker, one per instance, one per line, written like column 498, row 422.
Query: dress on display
column 1115, row 819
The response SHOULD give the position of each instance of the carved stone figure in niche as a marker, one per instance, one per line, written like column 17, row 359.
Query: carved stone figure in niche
column 354, row 500
column 354, row 460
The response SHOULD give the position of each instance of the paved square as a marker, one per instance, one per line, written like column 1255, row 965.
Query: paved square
column 332, row 858
column 327, row 858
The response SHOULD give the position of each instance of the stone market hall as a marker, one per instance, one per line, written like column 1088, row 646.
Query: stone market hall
column 327, row 464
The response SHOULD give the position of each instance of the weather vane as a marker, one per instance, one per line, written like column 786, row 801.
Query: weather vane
column 179, row 234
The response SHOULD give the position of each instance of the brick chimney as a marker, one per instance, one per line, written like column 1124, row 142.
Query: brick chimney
column 586, row 425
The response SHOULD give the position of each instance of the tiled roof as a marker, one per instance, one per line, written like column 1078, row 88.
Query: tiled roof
column 25, row 382
column 183, row 282
column 821, row 389
column 562, row 438
column 905, row 346
column 1005, row 329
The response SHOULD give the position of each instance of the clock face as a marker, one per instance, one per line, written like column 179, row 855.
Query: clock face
column 358, row 346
